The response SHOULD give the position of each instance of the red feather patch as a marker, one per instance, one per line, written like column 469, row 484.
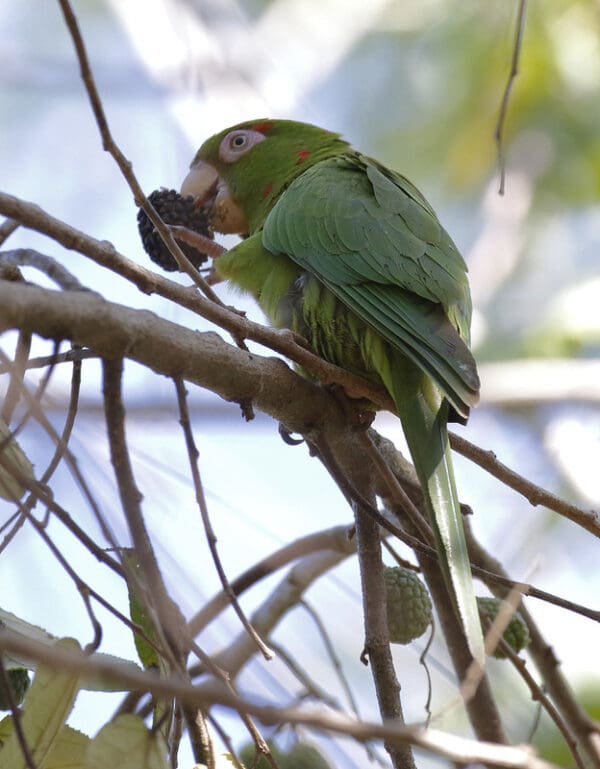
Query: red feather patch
column 302, row 155
column 267, row 190
column 263, row 127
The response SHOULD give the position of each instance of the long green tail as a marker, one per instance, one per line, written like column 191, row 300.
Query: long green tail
column 424, row 415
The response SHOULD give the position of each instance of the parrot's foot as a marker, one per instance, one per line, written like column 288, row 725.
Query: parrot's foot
column 286, row 436
column 197, row 240
column 287, row 335
column 359, row 411
column 211, row 276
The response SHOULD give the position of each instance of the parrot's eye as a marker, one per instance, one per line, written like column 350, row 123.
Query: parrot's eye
column 237, row 143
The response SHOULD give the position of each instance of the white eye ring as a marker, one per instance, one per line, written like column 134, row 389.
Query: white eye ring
column 237, row 143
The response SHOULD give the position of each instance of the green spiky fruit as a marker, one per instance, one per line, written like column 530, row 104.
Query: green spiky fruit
column 516, row 633
column 305, row 756
column 248, row 756
column 408, row 605
column 173, row 208
column 19, row 682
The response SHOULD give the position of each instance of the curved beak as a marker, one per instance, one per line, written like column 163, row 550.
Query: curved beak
column 201, row 182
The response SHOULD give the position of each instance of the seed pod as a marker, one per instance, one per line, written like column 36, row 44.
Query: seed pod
column 173, row 208
column 408, row 605
column 516, row 633
column 305, row 756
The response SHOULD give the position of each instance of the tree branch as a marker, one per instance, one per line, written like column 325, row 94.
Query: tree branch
column 462, row 751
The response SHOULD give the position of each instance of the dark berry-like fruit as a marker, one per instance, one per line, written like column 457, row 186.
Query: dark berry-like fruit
column 173, row 208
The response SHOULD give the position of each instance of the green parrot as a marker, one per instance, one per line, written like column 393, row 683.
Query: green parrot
column 350, row 255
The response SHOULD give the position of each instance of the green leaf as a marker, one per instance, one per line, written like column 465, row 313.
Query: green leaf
column 68, row 752
column 13, row 461
column 46, row 708
column 126, row 743
column 92, row 681
column 137, row 610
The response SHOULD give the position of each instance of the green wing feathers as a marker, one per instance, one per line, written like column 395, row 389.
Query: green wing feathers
column 373, row 242
column 380, row 249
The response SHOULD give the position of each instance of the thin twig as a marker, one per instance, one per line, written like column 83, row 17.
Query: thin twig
column 28, row 257
column 69, row 421
column 42, row 311
column 226, row 740
column 286, row 344
column 176, row 735
column 151, row 591
column 332, row 654
column 514, row 71
column 329, row 539
column 74, row 354
column 535, row 495
column 125, row 166
column 311, row 688
column 447, row 745
column 7, row 228
column 377, row 644
column 34, row 407
column 538, row 695
column 16, row 377
column 211, row 538
column 396, row 493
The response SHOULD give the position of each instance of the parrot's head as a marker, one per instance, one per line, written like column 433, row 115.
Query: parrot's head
column 245, row 168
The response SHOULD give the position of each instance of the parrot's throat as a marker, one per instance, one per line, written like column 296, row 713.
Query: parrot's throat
column 226, row 214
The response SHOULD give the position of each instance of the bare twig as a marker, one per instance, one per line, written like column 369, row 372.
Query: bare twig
column 151, row 591
column 34, row 407
column 545, row 660
column 538, row 695
column 535, row 495
column 311, row 688
column 7, row 228
column 377, row 643
column 461, row 750
column 69, row 421
column 28, row 257
column 514, row 71
column 211, row 538
column 332, row 654
column 75, row 354
column 202, row 745
column 125, row 166
column 207, row 360
column 16, row 377
column 284, row 343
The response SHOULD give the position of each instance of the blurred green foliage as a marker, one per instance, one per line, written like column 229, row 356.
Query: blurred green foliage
column 456, row 56
column 550, row 743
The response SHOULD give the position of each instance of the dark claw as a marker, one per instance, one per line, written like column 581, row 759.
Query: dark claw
column 286, row 436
